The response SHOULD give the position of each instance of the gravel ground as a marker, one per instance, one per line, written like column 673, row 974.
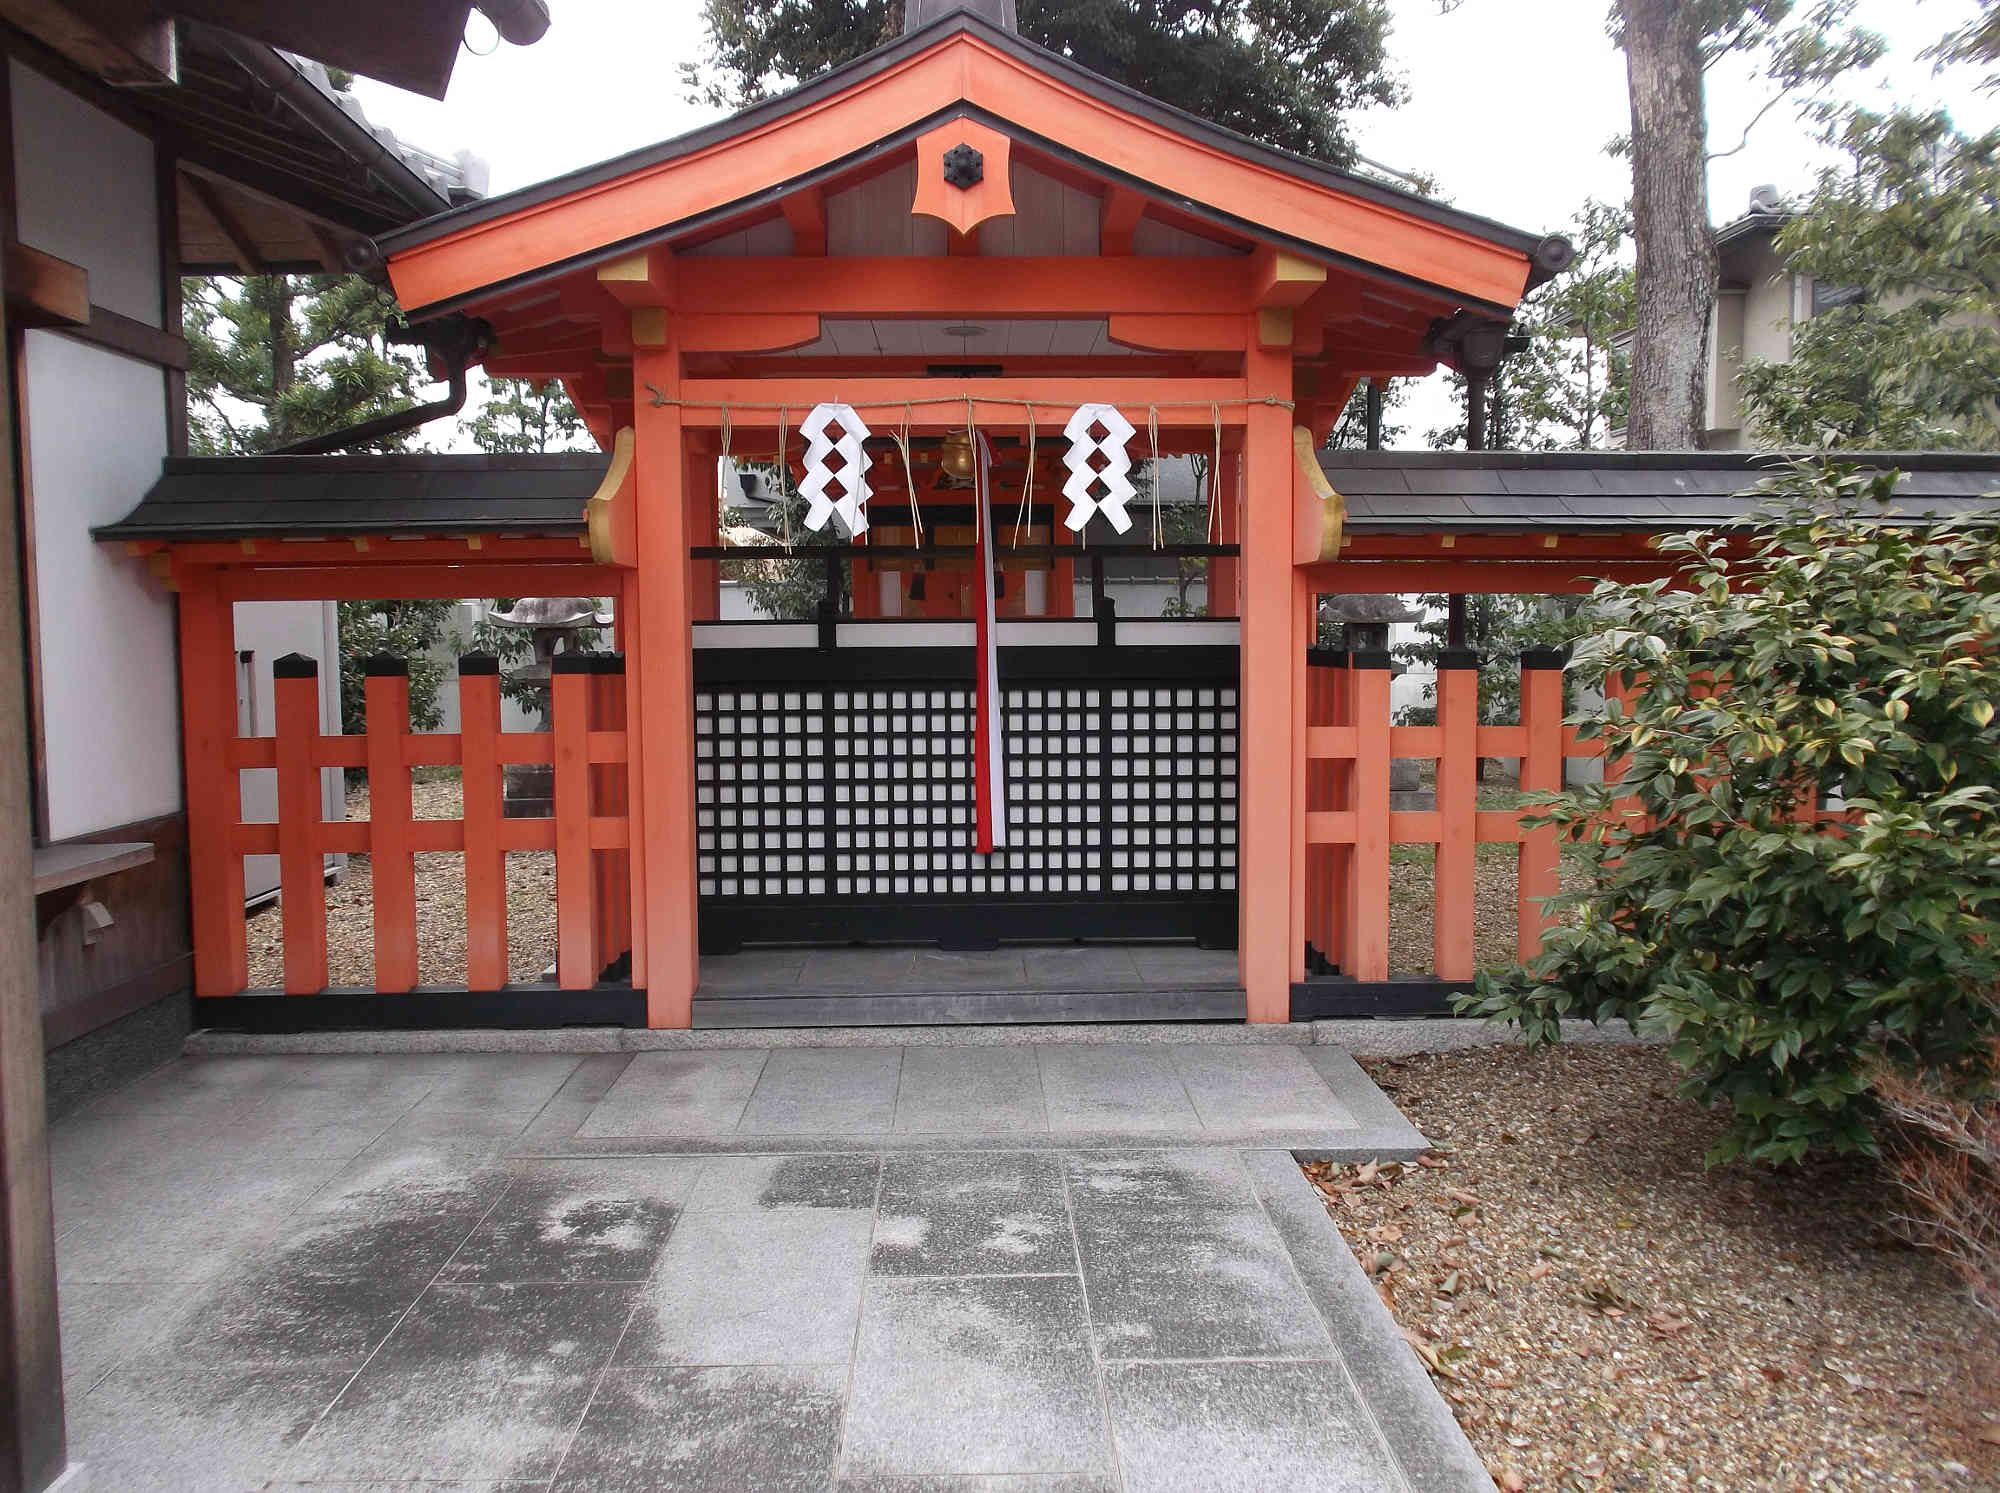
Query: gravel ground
column 1604, row 1313
column 350, row 933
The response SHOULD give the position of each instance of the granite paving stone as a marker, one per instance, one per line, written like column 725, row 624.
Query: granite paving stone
column 730, row 1183
column 946, row 1090
column 973, row 1214
column 577, row 1220
column 1111, row 1089
column 665, row 1430
column 978, row 1376
column 837, row 1091
column 678, row 1093
column 477, row 1381
column 778, row 1285
column 996, row 1267
column 1243, row 1428
column 176, row 1429
column 1245, row 1088
column 1181, row 1261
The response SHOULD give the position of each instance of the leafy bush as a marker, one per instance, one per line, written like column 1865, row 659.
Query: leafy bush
column 1824, row 658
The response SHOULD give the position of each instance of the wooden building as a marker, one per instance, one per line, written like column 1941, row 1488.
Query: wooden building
column 944, row 285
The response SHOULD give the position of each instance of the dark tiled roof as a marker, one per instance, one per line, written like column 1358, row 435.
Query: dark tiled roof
column 319, row 497
column 1647, row 491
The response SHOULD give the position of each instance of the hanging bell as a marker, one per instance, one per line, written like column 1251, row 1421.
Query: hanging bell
column 955, row 456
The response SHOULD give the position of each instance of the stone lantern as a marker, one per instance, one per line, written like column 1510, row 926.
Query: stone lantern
column 552, row 624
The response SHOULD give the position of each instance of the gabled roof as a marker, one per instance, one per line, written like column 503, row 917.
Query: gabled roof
column 1619, row 491
column 958, row 66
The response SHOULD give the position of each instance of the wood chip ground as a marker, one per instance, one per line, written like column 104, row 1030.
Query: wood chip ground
column 1604, row 1312
column 350, row 910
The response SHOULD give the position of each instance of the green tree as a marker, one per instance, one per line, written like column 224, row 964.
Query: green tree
column 1834, row 658
column 277, row 358
column 1566, row 389
column 522, row 416
column 790, row 587
column 1670, row 47
column 1908, row 228
column 1499, row 629
column 1288, row 72
column 414, row 631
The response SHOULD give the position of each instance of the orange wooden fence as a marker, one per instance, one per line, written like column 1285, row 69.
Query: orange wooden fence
column 1350, row 826
column 589, row 833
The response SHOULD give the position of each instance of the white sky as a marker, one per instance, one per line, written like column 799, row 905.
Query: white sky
column 1511, row 103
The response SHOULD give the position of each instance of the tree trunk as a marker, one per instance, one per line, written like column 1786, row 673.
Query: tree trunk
column 1676, row 262
column 284, row 357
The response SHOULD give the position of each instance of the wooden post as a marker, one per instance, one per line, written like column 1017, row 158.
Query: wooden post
column 480, row 784
column 629, row 644
column 610, row 879
column 301, row 861
column 1271, row 655
column 577, row 962
column 664, row 727
column 32, row 1447
column 1541, row 769
column 1454, row 879
column 213, row 788
column 1223, row 570
column 391, row 859
column 1367, row 941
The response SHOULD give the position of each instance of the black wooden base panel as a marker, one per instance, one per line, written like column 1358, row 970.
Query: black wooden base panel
column 530, row 1006
column 728, row 924
column 1335, row 997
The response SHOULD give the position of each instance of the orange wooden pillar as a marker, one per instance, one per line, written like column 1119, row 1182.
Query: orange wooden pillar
column 391, row 859
column 213, row 786
column 1322, row 788
column 611, row 902
column 1454, row 879
column 1366, row 945
column 1271, row 949
column 301, row 861
column 629, row 645
column 1541, row 769
column 577, row 961
column 663, row 728
column 485, row 859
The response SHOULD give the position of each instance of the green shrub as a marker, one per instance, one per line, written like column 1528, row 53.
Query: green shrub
column 1851, row 663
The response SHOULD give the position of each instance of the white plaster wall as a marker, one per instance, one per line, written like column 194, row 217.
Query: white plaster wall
column 97, row 432
column 85, row 192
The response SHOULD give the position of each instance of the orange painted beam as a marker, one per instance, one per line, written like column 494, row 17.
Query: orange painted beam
column 1119, row 219
column 577, row 962
column 1178, row 332
column 805, row 210
column 1182, row 402
column 1454, row 883
column 368, row 552
column 1389, row 577
column 482, row 789
column 301, row 863
column 214, row 793
column 390, row 857
column 388, row 583
column 994, row 287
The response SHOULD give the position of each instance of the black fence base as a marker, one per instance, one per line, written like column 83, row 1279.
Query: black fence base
column 1335, row 997
column 728, row 924
column 520, row 1007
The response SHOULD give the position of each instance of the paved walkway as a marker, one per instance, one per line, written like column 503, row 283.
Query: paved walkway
column 1073, row 1270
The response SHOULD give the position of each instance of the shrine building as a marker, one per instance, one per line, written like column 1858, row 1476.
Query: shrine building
column 965, row 296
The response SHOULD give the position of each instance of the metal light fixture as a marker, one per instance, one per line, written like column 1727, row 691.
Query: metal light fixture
column 955, row 456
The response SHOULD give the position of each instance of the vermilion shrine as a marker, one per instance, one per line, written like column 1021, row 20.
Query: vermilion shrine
column 939, row 285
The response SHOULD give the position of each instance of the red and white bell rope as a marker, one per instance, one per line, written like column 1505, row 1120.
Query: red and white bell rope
column 989, row 765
